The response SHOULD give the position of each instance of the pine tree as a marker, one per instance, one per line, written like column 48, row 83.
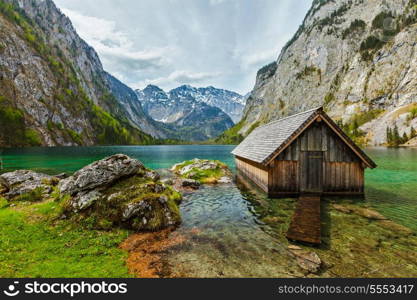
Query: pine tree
column 405, row 138
column 396, row 136
column 413, row 133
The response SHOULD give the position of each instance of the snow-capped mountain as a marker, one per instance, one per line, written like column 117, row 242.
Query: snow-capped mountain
column 184, row 112
column 171, row 106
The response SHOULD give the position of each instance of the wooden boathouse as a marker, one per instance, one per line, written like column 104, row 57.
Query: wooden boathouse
column 306, row 153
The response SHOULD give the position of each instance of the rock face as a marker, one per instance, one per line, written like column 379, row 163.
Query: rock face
column 190, row 113
column 120, row 191
column 357, row 58
column 101, row 173
column 53, row 89
column 20, row 183
column 201, row 171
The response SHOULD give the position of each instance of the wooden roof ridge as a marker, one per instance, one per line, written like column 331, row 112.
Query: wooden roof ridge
column 248, row 150
column 291, row 116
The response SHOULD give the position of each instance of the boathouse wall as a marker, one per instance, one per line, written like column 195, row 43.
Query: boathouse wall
column 317, row 161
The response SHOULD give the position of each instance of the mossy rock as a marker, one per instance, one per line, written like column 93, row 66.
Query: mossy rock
column 204, row 171
column 27, row 186
column 138, row 200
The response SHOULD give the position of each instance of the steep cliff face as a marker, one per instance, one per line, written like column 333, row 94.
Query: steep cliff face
column 357, row 58
column 134, row 111
column 53, row 89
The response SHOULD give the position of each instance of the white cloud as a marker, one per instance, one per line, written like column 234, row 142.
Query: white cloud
column 216, row 2
column 179, row 77
column 206, row 42
column 114, row 45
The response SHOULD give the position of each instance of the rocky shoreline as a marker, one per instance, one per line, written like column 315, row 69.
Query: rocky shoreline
column 119, row 192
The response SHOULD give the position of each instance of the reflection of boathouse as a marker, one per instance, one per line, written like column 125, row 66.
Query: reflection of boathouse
column 303, row 153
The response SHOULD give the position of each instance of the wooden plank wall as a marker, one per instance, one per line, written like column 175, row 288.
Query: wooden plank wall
column 344, row 177
column 342, row 169
column 256, row 172
column 284, row 176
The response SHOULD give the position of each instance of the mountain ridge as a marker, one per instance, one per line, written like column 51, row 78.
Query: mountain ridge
column 356, row 58
column 229, row 102
column 185, row 112
column 53, row 88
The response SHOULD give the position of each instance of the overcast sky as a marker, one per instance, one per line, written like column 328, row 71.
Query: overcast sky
column 198, row 42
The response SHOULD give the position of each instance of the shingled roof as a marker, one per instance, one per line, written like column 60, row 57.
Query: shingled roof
column 263, row 143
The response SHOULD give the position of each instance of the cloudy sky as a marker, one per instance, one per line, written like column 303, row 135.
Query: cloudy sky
column 198, row 42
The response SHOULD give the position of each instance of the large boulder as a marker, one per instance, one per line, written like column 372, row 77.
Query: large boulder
column 26, row 185
column 120, row 191
column 101, row 173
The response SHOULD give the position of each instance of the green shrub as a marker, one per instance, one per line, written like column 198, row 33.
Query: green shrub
column 371, row 43
column 32, row 137
column 355, row 26
column 231, row 136
column 307, row 71
column 378, row 22
column 412, row 114
column 328, row 98
column 76, row 137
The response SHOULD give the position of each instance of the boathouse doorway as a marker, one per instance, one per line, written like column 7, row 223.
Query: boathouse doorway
column 311, row 172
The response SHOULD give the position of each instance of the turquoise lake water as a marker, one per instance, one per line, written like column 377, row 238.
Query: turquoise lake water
column 391, row 188
column 227, row 230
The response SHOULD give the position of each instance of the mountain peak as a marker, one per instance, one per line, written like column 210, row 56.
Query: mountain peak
column 152, row 88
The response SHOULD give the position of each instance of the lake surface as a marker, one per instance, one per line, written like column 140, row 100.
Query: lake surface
column 391, row 188
column 237, row 231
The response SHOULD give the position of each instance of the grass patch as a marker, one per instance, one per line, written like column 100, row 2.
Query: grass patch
column 3, row 202
column 33, row 196
column 31, row 245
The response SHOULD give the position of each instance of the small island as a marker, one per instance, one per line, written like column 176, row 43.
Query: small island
column 191, row 174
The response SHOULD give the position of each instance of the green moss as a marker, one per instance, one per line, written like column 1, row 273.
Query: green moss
column 35, row 195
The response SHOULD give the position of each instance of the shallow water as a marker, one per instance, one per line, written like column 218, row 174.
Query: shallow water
column 391, row 188
column 236, row 231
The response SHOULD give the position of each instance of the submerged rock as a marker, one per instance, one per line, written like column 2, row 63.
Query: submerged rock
column 203, row 171
column 342, row 208
column 307, row 260
column 26, row 185
column 120, row 191
column 396, row 227
column 369, row 213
